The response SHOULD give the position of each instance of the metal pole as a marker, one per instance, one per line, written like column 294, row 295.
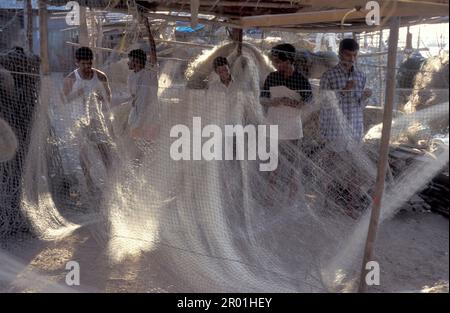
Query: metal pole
column 384, row 150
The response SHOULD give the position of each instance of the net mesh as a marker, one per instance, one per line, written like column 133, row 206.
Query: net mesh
column 139, row 219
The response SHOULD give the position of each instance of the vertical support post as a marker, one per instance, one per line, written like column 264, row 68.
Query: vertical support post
column 263, row 35
column 384, row 150
column 236, row 36
column 408, row 47
column 195, row 5
column 100, row 38
column 380, row 73
column 96, row 22
column 29, row 24
column 83, row 29
column 418, row 39
column 43, row 36
column 44, row 92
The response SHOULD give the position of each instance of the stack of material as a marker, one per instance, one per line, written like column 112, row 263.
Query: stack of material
column 406, row 75
column 433, row 197
column 435, row 194
column 417, row 204
column 402, row 156
column 430, row 84
column 314, row 64
column 373, row 115
column 431, row 89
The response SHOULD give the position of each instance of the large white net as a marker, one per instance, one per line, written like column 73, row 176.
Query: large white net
column 154, row 213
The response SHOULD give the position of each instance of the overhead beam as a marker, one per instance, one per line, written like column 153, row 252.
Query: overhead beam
column 242, row 4
column 122, row 52
column 408, row 7
column 168, row 17
column 299, row 18
column 362, row 3
column 400, row 9
column 360, row 27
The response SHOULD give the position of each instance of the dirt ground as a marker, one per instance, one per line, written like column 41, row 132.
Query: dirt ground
column 412, row 250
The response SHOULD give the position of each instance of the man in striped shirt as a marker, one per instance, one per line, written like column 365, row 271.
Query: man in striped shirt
column 343, row 121
column 344, row 95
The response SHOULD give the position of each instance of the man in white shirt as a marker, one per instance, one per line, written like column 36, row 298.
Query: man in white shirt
column 222, row 69
column 219, row 93
column 144, row 117
column 223, row 88
column 87, row 94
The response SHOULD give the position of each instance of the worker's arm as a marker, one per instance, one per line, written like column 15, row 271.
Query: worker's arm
column 68, row 94
column 367, row 92
column 265, row 95
column 289, row 102
column 104, row 79
column 67, row 86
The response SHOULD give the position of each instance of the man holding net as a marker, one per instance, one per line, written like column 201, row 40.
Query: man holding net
column 144, row 117
column 86, row 90
column 225, row 113
column 285, row 91
column 231, row 97
column 343, row 96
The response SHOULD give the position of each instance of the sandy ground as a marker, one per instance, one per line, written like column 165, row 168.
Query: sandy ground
column 412, row 250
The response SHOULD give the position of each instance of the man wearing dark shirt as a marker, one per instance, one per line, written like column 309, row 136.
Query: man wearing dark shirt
column 283, row 109
column 292, row 79
column 282, row 57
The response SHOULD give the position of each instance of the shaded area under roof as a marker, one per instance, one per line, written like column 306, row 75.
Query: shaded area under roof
column 322, row 15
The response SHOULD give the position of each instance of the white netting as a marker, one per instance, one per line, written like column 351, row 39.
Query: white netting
column 138, row 220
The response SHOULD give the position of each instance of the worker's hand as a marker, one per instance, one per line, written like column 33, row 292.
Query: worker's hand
column 367, row 93
column 149, row 133
column 136, row 133
column 288, row 102
column 292, row 103
column 74, row 94
column 350, row 84
column 275, row 102
column 99, row 97
column 80, row 92
column 153, row 132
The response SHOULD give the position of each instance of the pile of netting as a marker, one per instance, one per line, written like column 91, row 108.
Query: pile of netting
column 199, row 225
